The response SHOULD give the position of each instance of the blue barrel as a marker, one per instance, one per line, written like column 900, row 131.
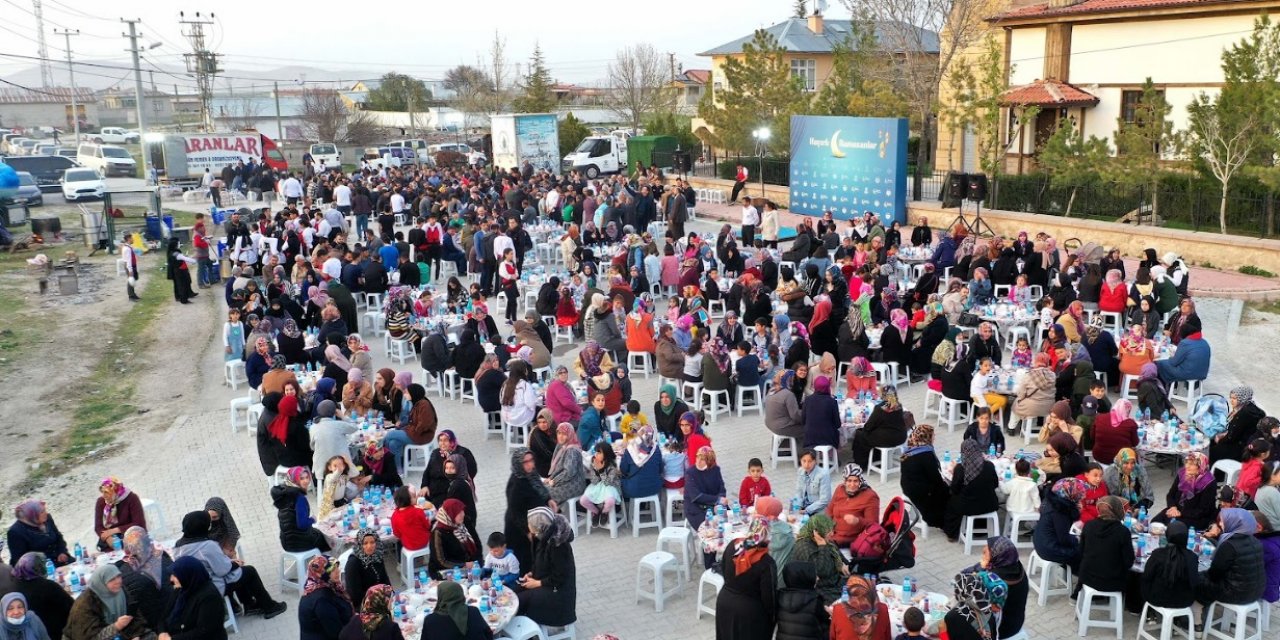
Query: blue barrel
column 168, row 222
column 219, row 217
column 152, row 230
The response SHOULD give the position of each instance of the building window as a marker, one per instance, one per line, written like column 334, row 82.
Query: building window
column 807, row 72
column 1129, row 100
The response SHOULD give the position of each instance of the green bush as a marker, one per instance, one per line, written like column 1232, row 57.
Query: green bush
column 777, row 169
column 1251, row 270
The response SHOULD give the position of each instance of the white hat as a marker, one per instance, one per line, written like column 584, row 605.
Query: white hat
column 1169, row 258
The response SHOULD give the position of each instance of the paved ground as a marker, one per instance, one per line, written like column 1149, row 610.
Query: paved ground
column 198, row 457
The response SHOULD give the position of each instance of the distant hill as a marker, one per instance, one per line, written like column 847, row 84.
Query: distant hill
column 103, row 78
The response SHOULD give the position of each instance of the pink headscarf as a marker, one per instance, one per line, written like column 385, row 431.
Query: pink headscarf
column 898, row 318
column 1120, row 411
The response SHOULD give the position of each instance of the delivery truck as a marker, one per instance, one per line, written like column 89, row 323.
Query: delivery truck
column 615, row 153
column 526, row 137
column 181, row 158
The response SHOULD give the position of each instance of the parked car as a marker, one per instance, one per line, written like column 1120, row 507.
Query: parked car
column 47, row 170
column 28, row 190
column 81, row 183
column 65, row 152
column 14, row 146
column 44, row 149
column 115, row 135
column 107, row 159
column 26, row 147
column 326, row 153
column 390, row 157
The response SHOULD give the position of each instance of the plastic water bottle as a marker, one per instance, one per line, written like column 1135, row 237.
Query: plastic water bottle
column 116, row 543
column 1191, row 538
column 946, row 457
column 1142, row 546
column 991, row 450
column 74, row 581
column 844, row 594
column 1008, row 475
column 79, row 552
column 49, row 570
column 906, row 589
column 1206, row 552
column 1128, row 524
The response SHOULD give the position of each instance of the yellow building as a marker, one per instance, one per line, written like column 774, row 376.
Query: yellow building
column 809, row 43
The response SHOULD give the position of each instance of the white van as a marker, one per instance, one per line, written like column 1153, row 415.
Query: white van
column 327, row 153
column 109, row 160
column 417, row 144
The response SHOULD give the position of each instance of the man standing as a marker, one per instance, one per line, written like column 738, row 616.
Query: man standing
column 200, row 240
column 677, row 212
column 130, row 258
column 291, row 189
column 739, row 181
column 342, row 197
column 750, row 220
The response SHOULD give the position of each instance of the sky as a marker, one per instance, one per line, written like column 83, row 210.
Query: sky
column 423, row 39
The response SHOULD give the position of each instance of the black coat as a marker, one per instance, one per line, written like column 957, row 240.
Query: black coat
column 800, row 613
column 292, row 536
column 295, row 451
column 150, row 598
column 979, row 349
column 358, row 578
column 488, row 388
column 1241, row 429
column 1159, row 592
column 1199, row 510
column 922, row 483
column 1052, row 538
column 977, row 496
column 745, row 607
column 555, row 602
column 387, row 630
column 521, row 497
column 850, row 347
column 467, row 357
column 930, row 338
column 435, row 354
column 322, row 614
column 1014, row 612
column 201, row 617
column 1237, row 575
column 434, row 478
column 48, row 600
column 1106, row 555
column 894, row 349
column 23, row 538
column 437, row 626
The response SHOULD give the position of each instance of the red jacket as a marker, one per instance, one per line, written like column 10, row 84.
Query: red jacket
column 864, row 505
column 410, row 525
column 1089, row 505
column 750, row 489
column 1250, row 477
column 1109, row 439
column 1113, row 300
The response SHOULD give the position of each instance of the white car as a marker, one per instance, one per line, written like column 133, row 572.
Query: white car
column 80, row 183
column 115, row 135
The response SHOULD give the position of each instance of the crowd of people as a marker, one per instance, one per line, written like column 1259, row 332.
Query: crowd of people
column 804, row 328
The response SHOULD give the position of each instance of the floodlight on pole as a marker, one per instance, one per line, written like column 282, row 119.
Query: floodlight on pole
column 762, row 141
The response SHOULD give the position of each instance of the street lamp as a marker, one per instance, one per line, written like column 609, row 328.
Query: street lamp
column 762, row 141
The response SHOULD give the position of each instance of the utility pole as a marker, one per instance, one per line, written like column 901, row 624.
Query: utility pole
column 75, row 109
column 177, row 100
column 46, row 68
column 133, row 36
column 672, row 58
column 279, row 124
column 413, row 126
column 202, row 63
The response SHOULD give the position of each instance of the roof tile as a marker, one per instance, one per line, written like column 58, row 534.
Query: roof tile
column 1048, row 93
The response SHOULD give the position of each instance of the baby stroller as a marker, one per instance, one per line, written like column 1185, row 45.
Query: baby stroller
column 1210, row 414
column 889, row 545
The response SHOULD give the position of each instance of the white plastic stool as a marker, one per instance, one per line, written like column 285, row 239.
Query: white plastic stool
column 716, row 582
column 493, row 425
column 1012, row 523
column 885, row 461
column 376, row 321
column 827, row 460
column 954, row 412
column 399, row 350
column 1229, row 468
column 615, row 521
column 543, row 375
column 712, row 406
column 715, row 308
column 558, row 633
column 638, row 362
column 673, row 496
column 154, row 516
column 1192, row 393
column 1011, row 336
column 408, row 562
column 521, row 628
column 655, row 514
column 238, row 406
column 696, row 389
column 467, row 390
column 784, row 448
column 753, row 392
column 298, row 575
column 1055, row 579
column 967, row 532
column 657, row 563
column 1167, row 619
column 1114, row 607
column 681, row 537
column 515, row 435
column 929, row 400
column 251, row 418
column 1126, row 391
column 229, row 622
column 1239, row 621
column 1031, row 428
column 414, row 459
column 234, row 373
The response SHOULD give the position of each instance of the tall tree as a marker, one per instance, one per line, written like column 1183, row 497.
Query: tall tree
column 536, row 95
column 472, row 88
column 858, row 84
column 1142, row 143
column 394, row 92
column 976, row 85
column 758, row 90
column 1071, row 159
column 925, row 37
column 1251, row 69
column 800, row 8
column 500, row 96
column 571, row 132
column 639, row 84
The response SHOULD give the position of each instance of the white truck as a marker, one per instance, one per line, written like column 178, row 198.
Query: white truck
column 597, row 155
column 115, row 135
column 181, row 158
column 526, row 137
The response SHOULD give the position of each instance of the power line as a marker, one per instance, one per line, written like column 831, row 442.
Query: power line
column 77, row 12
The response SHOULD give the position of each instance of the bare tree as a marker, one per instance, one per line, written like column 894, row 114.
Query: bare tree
column 924, row 37
column 498, row 72
column 242, row 114
column 639, row 84
column 472, row 88
column 326, row 118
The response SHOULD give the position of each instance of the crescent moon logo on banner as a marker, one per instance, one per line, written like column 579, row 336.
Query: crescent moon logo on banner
column 835, row 145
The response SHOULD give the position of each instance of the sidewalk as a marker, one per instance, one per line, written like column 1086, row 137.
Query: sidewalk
column 1205, row 282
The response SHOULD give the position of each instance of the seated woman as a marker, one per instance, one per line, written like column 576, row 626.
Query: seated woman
column 861, row 377
column 375, row 620
column 1172, row 572
column 20, row 621
column 46, row 598
column 1192, row 496
column 979, row 596
column 451, row 543
column 567, row 478
column 1152, row 395
column 453, row 619
column 1106, row 551
column 814, row 545
column 922, row 481
column 519, row 399
column 1136, row 351
column 703, row 489
column 983, row 432
column 641, row 469
column 548, row 591
column 102, row 611
column 1062, row 457
column 604, row 487
column 116, row 510
column 1034, row 393
column 1114, row 431
column 488, row 383
column 146, row 568
column 232, row 579
column 542, row 441
column 782, row 414
column 886, row 427
column 1000, row 557
column 325, row 608
column 561, row 400
column 746, row 605
column 973, row 489
column 1127, row 479
column 436, row 480
column 297, row 530
column 853, row 507
column 390, row 394
column 379, row 468
column 1059, row 511
column 34, row 530
column 366, row 567
column 1236, row 575
column 593, row 423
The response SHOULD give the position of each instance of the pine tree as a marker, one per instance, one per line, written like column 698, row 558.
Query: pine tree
column 801, row 8
column 536, row 96
column 758, row 90
column 1141, row 144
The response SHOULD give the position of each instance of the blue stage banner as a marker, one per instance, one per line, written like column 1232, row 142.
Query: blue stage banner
column 849, row 166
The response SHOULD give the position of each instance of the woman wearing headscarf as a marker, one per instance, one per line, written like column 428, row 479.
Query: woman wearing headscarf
column 233, row 579
column 1143, row 314
column 814, row 545
column 452, row 619
column 292, row 344
column 178, row 271
column 19, row 621
column 223, row 529
column 542, row 441
column 375, row 621
column 1242, row 425
column 336, row 367
column 452, row 544
column 293, row 511
column 745, row 606
column 1059, row 511
column 670, row 354
column 1236, row 575
column 933, row 331
column 357, row 395
column 366, row 567
column 895, row 341
column 197, row 611
column 704, row 488
column 146, row 568
column 1000, row 557
column 525, row 491
column 1127, row 479
column 1114, row 431
column 921, row 480
column 388, row 398
column 887, row 426
column 667, row 411
column 463, row 489
column 973, row 488
column 283, row 440
column 1172, row 571
column 822, row 329
column 1192, row 496
column 862, row 616
column 641, row 467
column 799, row 351
column 1114, row 296
column 116, row 509
column 33, row 529
column 821, row 416
column 1136, row 351
column 488, row 382
column 978, row 598
column 548, row 591
column 567, row 476
column 1062, row 458
column 102, row 611
column 325, row 607
column 1106, row 550
column 853, row 507
column 1072, row 321
column 1186, row 315
column 468, row 355
column 1152, row 395
column 782, row 415
column 860, row 378
column 436, row 480
column 46, row 598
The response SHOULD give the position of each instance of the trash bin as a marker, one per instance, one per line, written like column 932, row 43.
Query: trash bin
column 152, row 230
column 168, row 226
column 95, row 232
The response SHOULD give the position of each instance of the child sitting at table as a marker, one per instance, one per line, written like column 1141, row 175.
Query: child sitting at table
column 632, row 420
column 673, row 465
column 566, row 312
column 500, row 562
column 1020, row 294
column 605, row 489
column 754, row 485
column 1022, row 354
column 622, row 379
column 913, row 623
column 978, row 388
column 1047, row 316
column 1023, row 493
